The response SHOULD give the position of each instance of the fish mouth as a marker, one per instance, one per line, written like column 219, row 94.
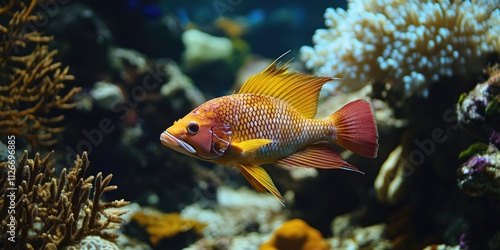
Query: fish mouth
column 171, row 141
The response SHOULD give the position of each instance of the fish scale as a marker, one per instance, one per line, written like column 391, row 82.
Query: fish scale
column 271, row 118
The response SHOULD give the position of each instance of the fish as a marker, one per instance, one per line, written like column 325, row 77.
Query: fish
column 271, row 119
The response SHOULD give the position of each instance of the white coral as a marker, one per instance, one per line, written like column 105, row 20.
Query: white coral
column 202, row 48
column 236, row 210
column 107, row 95
column 93, row 243
column 408, row 44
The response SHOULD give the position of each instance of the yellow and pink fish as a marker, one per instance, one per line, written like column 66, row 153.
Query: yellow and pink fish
column 271, row 119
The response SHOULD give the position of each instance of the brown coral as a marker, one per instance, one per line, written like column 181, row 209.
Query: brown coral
column 49, row 212
column 31, row 83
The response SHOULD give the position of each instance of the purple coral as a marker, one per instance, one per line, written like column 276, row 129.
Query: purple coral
column 475, row 165
column 481, row 173
column 495, row 138
column 463, row 242
column 479, row 109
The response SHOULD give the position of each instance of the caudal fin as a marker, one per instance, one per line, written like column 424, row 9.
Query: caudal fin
column 356, row 129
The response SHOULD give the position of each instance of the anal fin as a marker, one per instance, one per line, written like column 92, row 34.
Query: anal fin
column 320, row 155
column 260, row 180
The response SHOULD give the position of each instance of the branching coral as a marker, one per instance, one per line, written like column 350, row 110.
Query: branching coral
column 404, row 45
column 31, row 83
column 45, row 212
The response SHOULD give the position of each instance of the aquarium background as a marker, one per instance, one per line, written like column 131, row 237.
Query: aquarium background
column 108, row 77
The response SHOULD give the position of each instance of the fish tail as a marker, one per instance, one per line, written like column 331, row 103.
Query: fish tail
column 355, row 128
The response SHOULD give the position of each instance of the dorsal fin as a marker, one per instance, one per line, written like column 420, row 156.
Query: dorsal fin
column 301, row 91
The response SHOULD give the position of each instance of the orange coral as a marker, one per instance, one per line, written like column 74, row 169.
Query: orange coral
column 160, row 226
column 230, row 27
column 296, row 235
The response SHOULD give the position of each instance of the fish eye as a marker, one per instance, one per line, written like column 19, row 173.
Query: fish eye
column 193, row 128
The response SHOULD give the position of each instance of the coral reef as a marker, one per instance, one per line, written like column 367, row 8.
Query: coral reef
column 202, row 48
column 243, row 197
column 355, row 230
column 130, row 241
column 129, row 64
column 241, row 218
column 164, row 230
column 404, row 47
column 237, row 212
column 148, row 94
column 389, row 184
column 480, row 175
column 93, row 243
column 32, row 84
column 47, row 212
column 417, row 181
column 411, row 60
column 106, row 95
column 296, row 234
column 179, row 82
column 442, row 247
column 478, row 111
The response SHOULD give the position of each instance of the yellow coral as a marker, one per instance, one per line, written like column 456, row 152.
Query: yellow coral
column 161, row 226
column 296, row 235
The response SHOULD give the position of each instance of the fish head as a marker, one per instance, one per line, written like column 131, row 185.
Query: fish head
column 198, row 134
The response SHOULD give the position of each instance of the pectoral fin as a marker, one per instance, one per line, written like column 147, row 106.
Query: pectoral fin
column 250, row 145
column 260, row 180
